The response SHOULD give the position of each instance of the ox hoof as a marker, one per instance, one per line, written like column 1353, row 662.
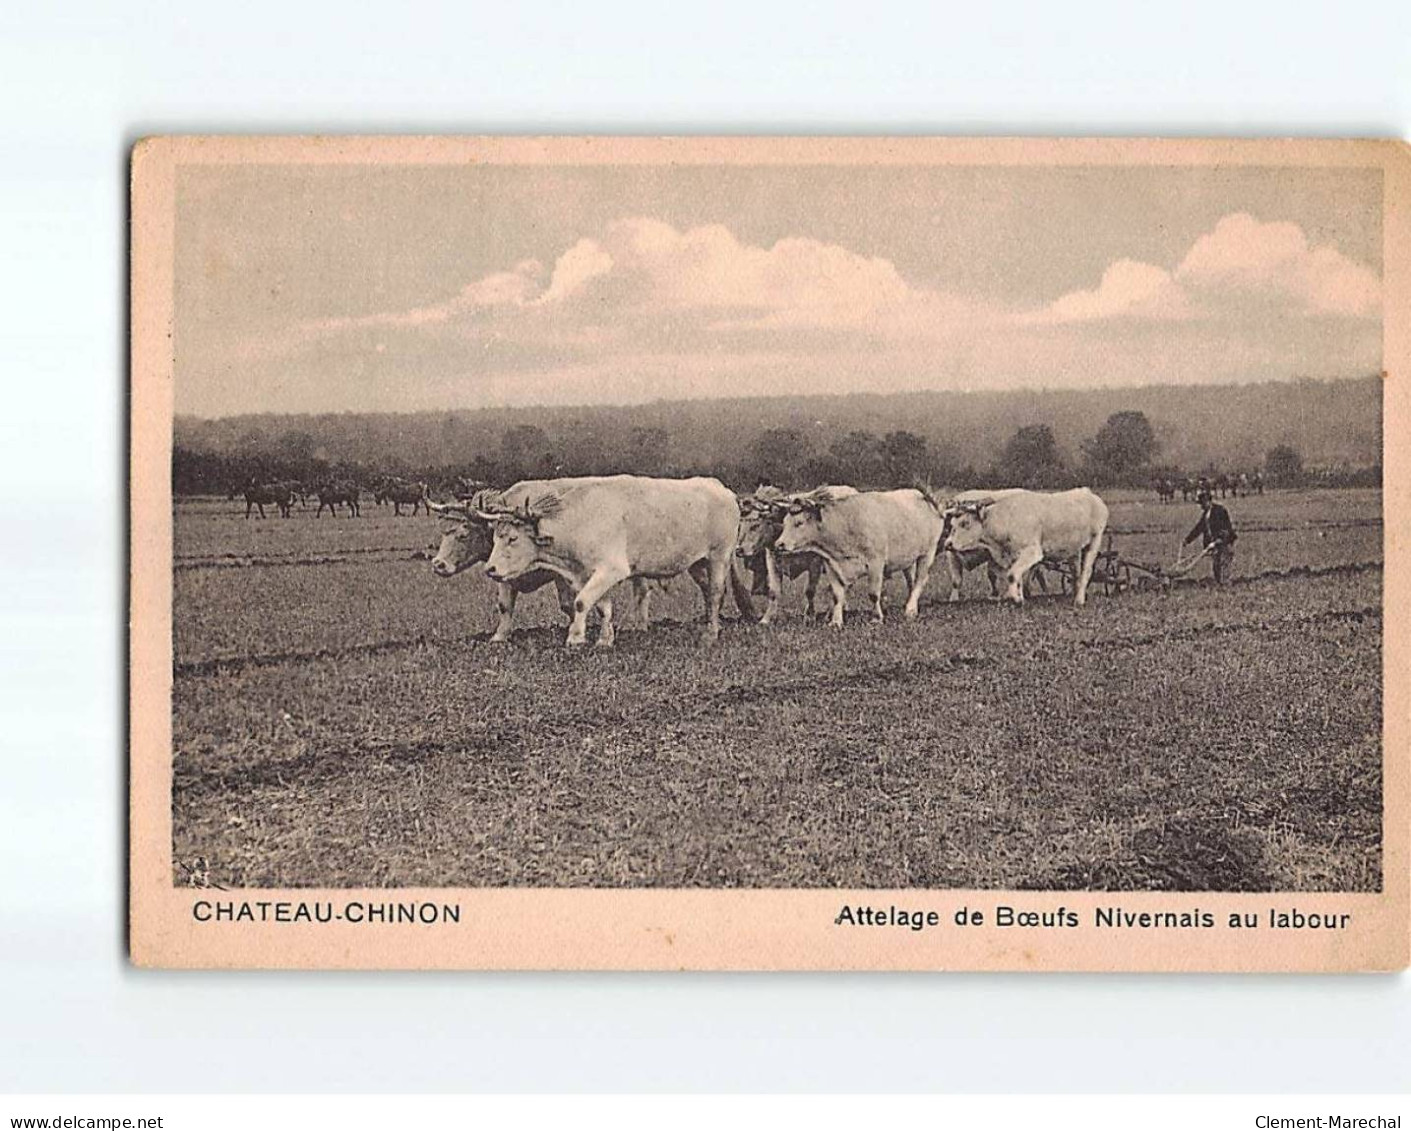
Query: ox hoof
column 499, row 639
column 580, row 642
column 604, row 642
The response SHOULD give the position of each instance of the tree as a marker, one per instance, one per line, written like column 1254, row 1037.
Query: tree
column 584, row 453
column 1123, row 447
column 297, row 446
column 818, row 470
column 1283, row 466
column 856, row 458
column 779, row 455
column 1031, row 458
column 648, row 448
column 525, row 450
column 904, row 458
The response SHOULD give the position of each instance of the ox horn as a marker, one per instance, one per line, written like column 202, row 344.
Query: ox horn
column 449, row 510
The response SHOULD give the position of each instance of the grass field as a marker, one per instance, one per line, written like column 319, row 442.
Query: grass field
column 340, row 720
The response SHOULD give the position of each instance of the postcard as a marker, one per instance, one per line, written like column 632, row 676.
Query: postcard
column 769, row 553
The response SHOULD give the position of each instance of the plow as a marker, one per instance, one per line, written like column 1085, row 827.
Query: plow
column 1116, row 574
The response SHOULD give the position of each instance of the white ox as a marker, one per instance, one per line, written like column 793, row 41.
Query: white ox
column 761, row 522
column 1022, row 528
column 958, row 563
column 594, row 532
column 871, row 533
column 467, row 539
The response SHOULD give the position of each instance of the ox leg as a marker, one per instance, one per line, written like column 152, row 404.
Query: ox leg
column 996, row 575
column 776, row 589
column 956, row 569
column 593, row 591
column 1028, row 558
column 876, row 574
column 1085, row 570
column 719, row 577
column 565, row 592
column 714, row 598
column 815, row 571
column 642, row 591
column 920, row 574
column 505, row 598
column 700, row 574
column 607, row 631
column 840, row 596
column 738, row 585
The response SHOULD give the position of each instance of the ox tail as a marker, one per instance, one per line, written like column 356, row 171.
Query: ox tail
column 931, row 495
column 741, row 588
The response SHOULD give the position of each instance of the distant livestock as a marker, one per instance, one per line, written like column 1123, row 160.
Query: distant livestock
column 401, row 493
column 1022, row 528
column 275, row 494
column 870, row 534
column 331, row 495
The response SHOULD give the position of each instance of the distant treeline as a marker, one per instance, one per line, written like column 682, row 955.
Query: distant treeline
column 1294, row 432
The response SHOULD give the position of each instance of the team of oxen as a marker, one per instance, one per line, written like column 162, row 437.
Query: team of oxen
column 587, row 535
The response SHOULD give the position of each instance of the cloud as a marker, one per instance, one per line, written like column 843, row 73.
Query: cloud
column 646, row 266
column 1239, row 266
column 639, row 308
column 584, row 261
column 1127, row 288
column 1244, row 256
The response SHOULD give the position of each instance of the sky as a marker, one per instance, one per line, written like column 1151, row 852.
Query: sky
column 372, row 289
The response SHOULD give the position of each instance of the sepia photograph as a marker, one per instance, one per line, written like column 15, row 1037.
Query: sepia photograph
column 777, row 518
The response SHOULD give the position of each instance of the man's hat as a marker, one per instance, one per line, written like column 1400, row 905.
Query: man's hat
column 1203, row 497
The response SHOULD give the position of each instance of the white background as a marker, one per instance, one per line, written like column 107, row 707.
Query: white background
column 80, row 82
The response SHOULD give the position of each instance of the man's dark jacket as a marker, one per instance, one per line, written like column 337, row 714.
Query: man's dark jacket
column 1214, row 526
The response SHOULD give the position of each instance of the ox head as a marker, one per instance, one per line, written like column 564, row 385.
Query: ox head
column 466, row 538
column 803, row 520
column 761, row 520
column 963, row 525
column 519, row 540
